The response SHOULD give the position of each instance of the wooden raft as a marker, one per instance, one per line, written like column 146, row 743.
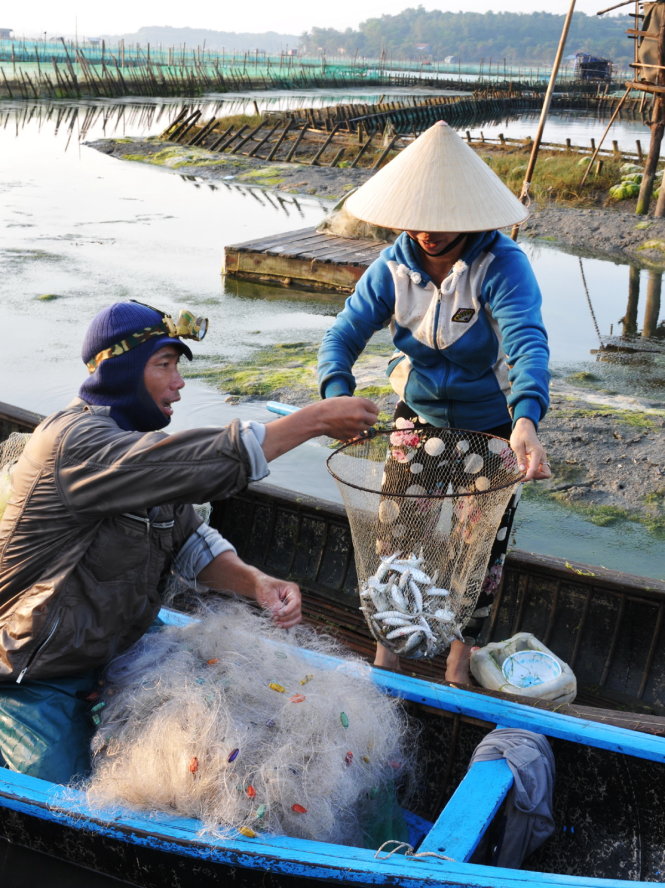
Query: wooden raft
column 304, row 259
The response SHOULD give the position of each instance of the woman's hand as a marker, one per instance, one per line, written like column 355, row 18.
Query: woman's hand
column 530, row 453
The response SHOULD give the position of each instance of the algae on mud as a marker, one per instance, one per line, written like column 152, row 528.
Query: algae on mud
column 287, row 371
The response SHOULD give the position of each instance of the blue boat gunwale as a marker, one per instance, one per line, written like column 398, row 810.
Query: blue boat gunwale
column 507, row 713
column 307, row 858
column 278, row 854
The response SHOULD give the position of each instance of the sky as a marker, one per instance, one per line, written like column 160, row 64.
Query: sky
column 89, row 19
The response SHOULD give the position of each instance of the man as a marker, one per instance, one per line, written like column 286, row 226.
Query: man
column 99, row 517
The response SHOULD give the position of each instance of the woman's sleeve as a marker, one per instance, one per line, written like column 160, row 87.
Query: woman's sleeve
column 515, row 300
column 368, row 309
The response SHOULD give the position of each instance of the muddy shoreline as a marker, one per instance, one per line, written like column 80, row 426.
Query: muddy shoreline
column 609, row 233
column 608, row 460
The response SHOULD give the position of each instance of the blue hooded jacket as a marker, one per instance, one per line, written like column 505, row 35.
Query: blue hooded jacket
column 470, row 354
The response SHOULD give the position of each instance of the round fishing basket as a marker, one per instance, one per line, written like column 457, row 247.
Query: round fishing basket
column 425, row 506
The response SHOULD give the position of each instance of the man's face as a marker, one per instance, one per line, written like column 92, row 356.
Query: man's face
column 162, row 378
column 433, row 242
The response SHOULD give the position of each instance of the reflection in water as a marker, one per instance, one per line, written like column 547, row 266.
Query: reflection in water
column 288, row 204
column 652, row 308
column 77, row 119
column 635, row 346
column 141, row 118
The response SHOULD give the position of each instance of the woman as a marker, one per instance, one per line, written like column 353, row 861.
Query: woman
column 463, row 307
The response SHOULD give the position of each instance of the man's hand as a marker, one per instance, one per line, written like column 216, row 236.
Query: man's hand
column 229, row 573
column 281, row 598
column 343, row 418
column 530, row 453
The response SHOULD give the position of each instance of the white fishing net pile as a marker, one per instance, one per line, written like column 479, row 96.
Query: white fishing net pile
column 223, row 721
column 10, row 450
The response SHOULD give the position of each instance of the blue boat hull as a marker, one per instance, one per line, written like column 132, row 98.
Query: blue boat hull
column 609, row 778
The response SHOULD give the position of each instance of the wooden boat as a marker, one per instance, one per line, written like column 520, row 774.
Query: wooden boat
column 610, row 798
column 600, row 832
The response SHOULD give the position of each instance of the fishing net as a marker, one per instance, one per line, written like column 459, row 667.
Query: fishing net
column 10, row 450
column 424, row 505
column 226, row 720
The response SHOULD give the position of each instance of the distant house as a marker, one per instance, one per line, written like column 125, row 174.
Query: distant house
column 6, row 33
column 423, row 47
column 588, row 67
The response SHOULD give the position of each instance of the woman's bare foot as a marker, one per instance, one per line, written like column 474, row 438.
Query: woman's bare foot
column 457, row 664
column 386, row 659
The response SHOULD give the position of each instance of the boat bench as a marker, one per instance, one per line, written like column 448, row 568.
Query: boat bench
column 461, row 825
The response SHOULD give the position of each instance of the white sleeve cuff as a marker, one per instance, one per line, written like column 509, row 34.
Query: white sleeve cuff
column 253, row 435
column 200, row 548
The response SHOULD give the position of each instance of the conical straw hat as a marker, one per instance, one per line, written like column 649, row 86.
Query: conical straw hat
column 437, row 183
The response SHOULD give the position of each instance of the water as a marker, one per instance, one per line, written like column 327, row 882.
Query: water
column 579, row 126
column 90, row 229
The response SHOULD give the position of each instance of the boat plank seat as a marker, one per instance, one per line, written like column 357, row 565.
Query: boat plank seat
column 461, row 825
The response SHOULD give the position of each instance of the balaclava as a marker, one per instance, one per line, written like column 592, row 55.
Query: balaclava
column 117, row 382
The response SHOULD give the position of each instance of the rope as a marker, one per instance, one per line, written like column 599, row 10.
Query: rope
column 384, row 854
column 588, row 299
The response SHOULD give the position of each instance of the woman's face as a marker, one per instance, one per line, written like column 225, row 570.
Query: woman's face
column 433, row 243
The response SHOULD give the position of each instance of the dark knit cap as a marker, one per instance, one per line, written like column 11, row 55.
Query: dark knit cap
column 118, row 381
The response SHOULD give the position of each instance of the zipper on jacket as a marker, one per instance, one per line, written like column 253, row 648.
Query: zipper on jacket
column 437, row 314
column 435, row 320
column 40, row 647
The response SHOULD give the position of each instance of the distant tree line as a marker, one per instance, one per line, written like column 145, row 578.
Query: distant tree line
column 472, row 37
column 218, row 41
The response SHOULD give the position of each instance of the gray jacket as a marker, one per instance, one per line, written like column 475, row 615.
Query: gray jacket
column 88, row 536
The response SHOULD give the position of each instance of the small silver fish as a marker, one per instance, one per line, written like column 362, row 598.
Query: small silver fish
column 398, row 599
column 434, row 590
column 417, row 595
column 395, row 621
column 421, row 577
column 403, row 630
column 382, row 615
column 424, row 625
column 445, row 614
column 379, row 599
column 411, row 643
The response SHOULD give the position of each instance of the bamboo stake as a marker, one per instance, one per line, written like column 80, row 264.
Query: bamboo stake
column 657, row 127
column 602, row 138
column 543, row 114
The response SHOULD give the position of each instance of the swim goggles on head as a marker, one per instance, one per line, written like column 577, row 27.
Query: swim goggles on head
column 185, row 326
